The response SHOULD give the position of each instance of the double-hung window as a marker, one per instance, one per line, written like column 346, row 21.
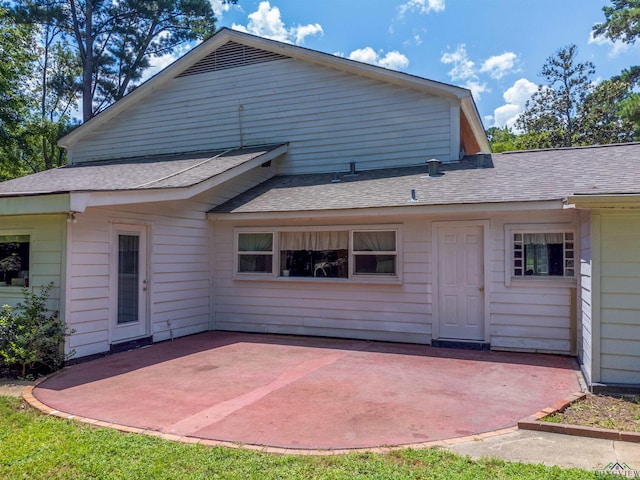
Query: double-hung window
column 543, row 254
column 14, row 260
column 374, row 253
column 255, row 253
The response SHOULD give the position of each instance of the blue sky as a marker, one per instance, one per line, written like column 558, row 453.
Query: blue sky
column 494, row 47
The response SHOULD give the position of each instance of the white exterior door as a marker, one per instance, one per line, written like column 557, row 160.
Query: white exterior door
column 460, row 283
column 129, row 283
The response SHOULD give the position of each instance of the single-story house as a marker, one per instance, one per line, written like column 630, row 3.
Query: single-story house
column 257, row 186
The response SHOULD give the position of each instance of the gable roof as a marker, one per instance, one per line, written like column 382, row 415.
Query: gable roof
column 204, row 55
column 141, row 173
column 522, row 176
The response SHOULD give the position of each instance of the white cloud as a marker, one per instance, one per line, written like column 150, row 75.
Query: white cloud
column 616, row 48
column 515, row 97
column 219, row 7
column 464, row 71
column 498, row 66
column 267, row 22
column 421, row 6
column 393, row 60
column 463, row 68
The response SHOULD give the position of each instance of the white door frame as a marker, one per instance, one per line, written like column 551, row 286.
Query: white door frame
column 140, row 329
column 435, row 259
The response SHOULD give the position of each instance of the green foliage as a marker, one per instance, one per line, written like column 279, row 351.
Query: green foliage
column 501, row 139
column 83, row 451
column 600, row 115
column 30, row 336
column 15, row 69
column 622, row 21
column 114, row 41
column 550, row 117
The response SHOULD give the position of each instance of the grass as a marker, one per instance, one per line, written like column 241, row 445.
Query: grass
column 36, row 446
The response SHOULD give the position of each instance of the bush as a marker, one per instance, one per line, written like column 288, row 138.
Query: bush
column 30, row 336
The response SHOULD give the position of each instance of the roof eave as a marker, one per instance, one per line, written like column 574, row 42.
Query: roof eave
column 614, row 200
column 391, row 210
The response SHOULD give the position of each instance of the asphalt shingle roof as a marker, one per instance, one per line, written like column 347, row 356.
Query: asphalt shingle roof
column 510, row 177
column 142, row 173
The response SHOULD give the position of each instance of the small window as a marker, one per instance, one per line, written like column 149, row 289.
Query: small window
column 14, row 260
column 374, row 253
column 317, row 254
column 543, row 255
column 255, row 253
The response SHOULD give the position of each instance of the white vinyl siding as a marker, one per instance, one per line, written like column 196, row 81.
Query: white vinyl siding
column 530, row 316
column 329, row 307
column 620, row 298
column 330, row 118
column 179, row 267
column 585, row 311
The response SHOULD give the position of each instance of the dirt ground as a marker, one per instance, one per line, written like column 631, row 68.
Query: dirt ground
column 13, row 388
column 602, row 411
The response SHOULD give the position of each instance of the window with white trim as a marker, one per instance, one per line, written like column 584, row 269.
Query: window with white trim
column 543, row 254
column 374, row 253
column 255, row 252
column 14, row 260
column 323, row 253
column 314, row 254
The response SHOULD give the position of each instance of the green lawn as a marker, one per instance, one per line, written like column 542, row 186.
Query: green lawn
column 34, row 446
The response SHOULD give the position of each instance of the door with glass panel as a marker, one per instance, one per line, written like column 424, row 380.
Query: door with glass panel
column 129, row 283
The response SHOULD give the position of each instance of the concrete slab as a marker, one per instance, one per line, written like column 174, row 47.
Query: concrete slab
column 552, row 449
column 310, row 393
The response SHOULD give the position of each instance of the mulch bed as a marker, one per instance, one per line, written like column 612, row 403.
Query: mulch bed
column 602, row 411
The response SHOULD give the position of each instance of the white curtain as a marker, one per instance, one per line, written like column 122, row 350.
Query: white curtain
column 374, row 241
column 542, row 238
column 314, row 240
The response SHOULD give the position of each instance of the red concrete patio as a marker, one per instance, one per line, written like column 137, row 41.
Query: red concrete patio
column 310, row 393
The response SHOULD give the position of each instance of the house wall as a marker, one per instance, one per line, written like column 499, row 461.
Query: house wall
column 585, row 310
column 178, row 276
column 329, row 117
column 619, row 348
column 47, row 237
column 525, row 315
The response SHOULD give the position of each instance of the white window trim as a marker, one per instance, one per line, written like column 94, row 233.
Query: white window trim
column 351, row 277
column 15, row 232
column 510, row 229
column 237, row 253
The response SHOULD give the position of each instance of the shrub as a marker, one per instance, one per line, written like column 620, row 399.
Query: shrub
column 32, row 337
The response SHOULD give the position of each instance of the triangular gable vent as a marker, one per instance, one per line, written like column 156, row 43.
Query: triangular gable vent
column 231, row 55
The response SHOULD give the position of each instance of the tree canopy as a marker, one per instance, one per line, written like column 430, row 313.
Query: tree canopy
column 114, row 41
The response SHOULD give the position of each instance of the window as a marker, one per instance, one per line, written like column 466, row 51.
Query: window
column 14, row 260
column 543, row 254
column 255, row 253
column 314, row 254
column 374, row 253
column 324, row 253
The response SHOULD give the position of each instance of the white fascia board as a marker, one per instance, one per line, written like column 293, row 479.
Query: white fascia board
column 123, row 197
column 383, row 211
column 35, row 204
column 604, row 201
